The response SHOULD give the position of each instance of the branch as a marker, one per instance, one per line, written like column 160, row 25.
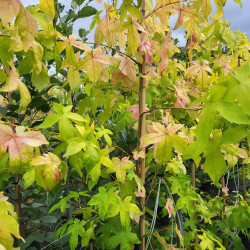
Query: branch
column 164, row 6
column 191, row 109
column 107, row 46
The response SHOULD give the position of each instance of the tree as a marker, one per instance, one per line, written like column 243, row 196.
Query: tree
column 114, row 131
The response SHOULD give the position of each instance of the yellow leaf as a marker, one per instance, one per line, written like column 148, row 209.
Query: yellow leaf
column 48, row 8
column 206, row 8
column 27, row 27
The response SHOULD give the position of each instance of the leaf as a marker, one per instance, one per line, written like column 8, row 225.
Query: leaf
column 47, row 170
column 232, row 112
column 120, row 167
column 164, row 138
column 206, row 8
column 215, row 164
column 124, row 239
column 48, row 8
column 8, row 224
column 127, row 67
column 73, row 77
column 48, row 219
column 94, row 63
column 20, row 145
column 29, row 178
column 133, row 36
column 200, row 69
column 8, row 10
column 102, row 200
column 85, row 12
column 234, row 135
column 41, row 80
column 205, row 126
column 13, row 83
column 27, row 27
column 50, row 120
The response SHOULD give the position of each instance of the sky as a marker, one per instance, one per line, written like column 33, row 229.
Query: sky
column 239, row 17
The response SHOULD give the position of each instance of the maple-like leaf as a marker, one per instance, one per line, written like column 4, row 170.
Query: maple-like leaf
column 27, row 27
column 8, row 10
column 184, row 13
column 20, row 145
column 120, row 167
column 127, row 67
column 103, row 200
column 72, row 41
column 124, row 239
column 48, row 8
column 167, row 50
column 47, row 171
column 200, row 69
column 136, row 111
column 13, row 82
column 63, row 115
column 164, row 139
column 148, row 47
column 95, row 63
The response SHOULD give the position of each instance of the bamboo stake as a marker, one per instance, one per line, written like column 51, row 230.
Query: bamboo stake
column 141, row 133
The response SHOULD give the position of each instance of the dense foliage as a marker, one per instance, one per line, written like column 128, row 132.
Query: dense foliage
column 127, row 141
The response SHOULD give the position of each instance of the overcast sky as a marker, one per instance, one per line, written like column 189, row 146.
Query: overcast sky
column 239, row 17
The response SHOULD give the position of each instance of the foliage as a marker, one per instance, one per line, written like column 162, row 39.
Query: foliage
column 106, row 141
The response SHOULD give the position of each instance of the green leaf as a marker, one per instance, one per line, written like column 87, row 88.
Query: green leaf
column 134, row 11
column 73, row 77
column 205, row 126
column 85, row 12
column 29, row 177
column 49, row 121
column 234, row 135
column 66, row 129
column 120, row 167
column 41, row 80
column 125, row 239
column 164, row 150
column 232, row 112
column 215, row 164
column 103, row 199
column 48, row 219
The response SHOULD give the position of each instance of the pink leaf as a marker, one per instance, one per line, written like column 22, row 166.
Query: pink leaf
column 135, row 110
column 225, row 190
column 170, row 207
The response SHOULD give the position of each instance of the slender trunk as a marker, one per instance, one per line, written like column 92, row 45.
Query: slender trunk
column 18, row 195
column 141, row 133
column 194, row 202
column 18, row 199
column 244, row 182
column 243, row 177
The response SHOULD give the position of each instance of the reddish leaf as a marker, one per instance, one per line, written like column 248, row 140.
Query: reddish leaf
column 20, row 145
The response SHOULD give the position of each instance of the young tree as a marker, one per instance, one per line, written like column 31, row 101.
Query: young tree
column 114, row 130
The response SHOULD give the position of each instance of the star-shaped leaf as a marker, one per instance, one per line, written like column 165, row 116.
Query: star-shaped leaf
column 20, row 145
column 120, row 167
column 124, row 239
